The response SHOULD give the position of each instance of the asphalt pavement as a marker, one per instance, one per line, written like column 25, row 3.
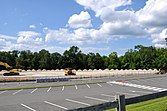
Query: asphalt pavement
column 71, row 97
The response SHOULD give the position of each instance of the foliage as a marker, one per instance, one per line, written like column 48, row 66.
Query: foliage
column 140, row 57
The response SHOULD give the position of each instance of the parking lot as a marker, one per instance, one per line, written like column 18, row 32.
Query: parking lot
column 71, row 97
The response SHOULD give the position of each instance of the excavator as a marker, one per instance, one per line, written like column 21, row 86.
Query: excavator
column 69, row 71
column 10, row 71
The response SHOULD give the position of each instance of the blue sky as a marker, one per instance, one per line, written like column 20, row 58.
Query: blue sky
column 92, row 25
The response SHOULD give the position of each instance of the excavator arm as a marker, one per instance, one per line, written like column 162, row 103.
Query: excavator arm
column 5, row 65
column 10, row 71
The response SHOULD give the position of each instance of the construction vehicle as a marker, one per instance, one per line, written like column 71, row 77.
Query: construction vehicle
column 162, row 71
column 10, row 71
column 69, row 71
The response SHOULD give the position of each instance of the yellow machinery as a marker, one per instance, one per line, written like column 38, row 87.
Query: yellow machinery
column 69, row 71
column 10, row 71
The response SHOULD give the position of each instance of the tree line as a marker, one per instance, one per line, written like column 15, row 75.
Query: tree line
column 140, row 57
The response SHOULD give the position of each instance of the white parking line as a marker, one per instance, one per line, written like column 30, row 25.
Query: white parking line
column 63, row 88
column 140, row 91
column 99, row 85
column 62, row 107
column 139, row 86
column 108, row 95
column 87, row 85
column 33, row 90
column 17, row 91
column 49, row 89
column 98, row 99
column 78, row 102
column 28, row 107
column 2, row 92
column 76, row 87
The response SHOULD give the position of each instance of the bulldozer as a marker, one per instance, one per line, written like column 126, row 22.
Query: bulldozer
column 10, row 70
column 69, row 71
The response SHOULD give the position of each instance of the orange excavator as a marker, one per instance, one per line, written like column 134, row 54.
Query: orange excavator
column 10, row 70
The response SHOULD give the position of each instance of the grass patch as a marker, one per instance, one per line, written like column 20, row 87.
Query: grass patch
column 159, row 104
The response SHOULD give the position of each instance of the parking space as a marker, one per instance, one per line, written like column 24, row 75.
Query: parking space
column 70, row 97
column 4, row 93
column 156, row 82
column 65, row 104
column 13, row 108
column 39, row 106
column 98, row 88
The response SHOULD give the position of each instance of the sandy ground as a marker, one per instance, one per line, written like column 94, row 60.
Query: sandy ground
column 32, row 75
column 60, row 73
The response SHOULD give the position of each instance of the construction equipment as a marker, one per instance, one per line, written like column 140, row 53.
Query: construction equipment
column 163, row 71
column 10, row 71
column 69, row 71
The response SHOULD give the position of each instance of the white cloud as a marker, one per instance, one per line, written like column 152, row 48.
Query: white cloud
column 81, row 20
column 159, row 39
column 153, row 17
column 150, row 21
column 3, row 43
column 98, row 5
column 109, row 15
column 26, row 40
column 160, row 45
column 7, row 37
column 78, row 36
column 29, row 37
column 116, row 24
column 7, row 45
column 28, row 34
column 59, row 35
column 154, row 13
column 53, row 49
column 107, row 31
column 123, row 28
column 32, row 26
column 19, row 46
column 93, row 49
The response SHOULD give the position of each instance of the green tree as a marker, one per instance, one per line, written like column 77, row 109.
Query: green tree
column 141, row 57
column 71, row 57
column 91, row 63
column 161, row 59
column 45, row 60
column 128, row 61
column 114, row 62
column 56, row 61
column 35, row 61
column 23, row 61
column 83, row 63
column 106, row 61
column 98, row 60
